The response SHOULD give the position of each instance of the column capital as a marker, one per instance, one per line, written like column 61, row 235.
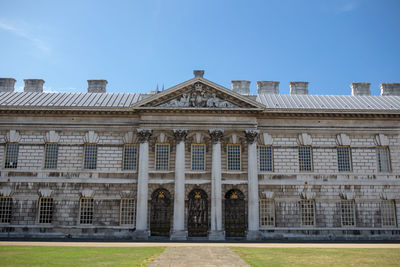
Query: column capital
column 180, row 134
column 144, row 135
column 251, row 135
column 216, row 135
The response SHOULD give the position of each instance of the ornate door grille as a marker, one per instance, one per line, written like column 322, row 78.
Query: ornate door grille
column 160, row 218
column 235, row 220
column 198, row 213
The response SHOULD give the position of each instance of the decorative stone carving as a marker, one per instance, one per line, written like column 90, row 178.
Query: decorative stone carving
column 126, row 194
column 343, row 140
column 251, row 135
column 52, row 137
column 180, row 135
column 381, row 140
column 198, row 98
column 91, row 137
column 87, row 193
column 129, row 138
column 347, row 195
column 45, row 192
column 266, row 139
column 143, row 135
column 13, row 136
column 216, row 135
column 304, row 139
column 5, row 192
column 306, row 193
column 387, row 196
column 268, row 194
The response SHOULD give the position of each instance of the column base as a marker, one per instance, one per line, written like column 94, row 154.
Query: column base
column 179, row 235
column 216, row 235
column 253, row 235
column 141, row 234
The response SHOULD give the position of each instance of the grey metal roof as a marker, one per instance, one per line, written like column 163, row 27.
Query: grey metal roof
column 31, row 99
column 330, row 102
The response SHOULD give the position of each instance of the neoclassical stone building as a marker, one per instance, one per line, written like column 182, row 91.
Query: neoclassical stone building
column 200, row 161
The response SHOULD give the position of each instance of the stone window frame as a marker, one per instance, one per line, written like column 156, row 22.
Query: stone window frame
column 348, row 213
column 166, row 167
column 125, row 158
column 271, row 162
column 228, row 158
column 307, row 212
column 86, row 210
column 204, row 156
column 46, row 156
column 267, row 214
column 309, row 161
column 347, row 164
column 392, row 216
column 127, row 211
column 386, row 161
column 86, row 158
column 12, row 153
column 45, row 210
column 6, row 209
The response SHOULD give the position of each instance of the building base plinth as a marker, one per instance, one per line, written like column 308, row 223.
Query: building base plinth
column 253, row 235
column 216, row 235
column 141, row 234
column 179, row 235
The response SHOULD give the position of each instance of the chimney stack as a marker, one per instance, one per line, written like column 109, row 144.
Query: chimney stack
column 97, row 86
column 267, row 87
column 7, row 84
column 390, row 89
column 34, row 85
column 198, row 73
column 360, row 89
column 241, row 87
column 298, row 88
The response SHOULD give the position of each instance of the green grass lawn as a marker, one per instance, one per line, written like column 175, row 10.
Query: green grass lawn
column 77, row 256
column 319, row 256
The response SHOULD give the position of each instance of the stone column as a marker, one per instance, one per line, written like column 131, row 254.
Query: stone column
column 216, row 232
column 178, row 229
column 253, row 204
column 142, row 231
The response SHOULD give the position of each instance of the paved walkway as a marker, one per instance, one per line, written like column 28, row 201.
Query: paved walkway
column 198, row 256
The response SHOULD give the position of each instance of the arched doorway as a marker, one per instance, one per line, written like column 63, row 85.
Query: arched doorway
column 198, row 213
column 160, row 216
column 235, row 220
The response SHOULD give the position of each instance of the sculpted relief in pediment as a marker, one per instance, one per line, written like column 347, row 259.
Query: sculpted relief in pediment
column 198, row 97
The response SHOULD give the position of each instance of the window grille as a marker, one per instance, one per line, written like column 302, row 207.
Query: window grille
column 307, row 211
column 128, row 211
column 388, row 212
column 51, row 156
column 305, row 158
column 86, row 210
column 162, row 157
column 348, row 213
column 45, row 209
column 130, row 157
column 11, row 160
column 234, row 157
column 344, row 158
column 265, row 158
column 383, row 158
column 5, row 209
column 90, row 160
column 267, row 212
column 198, row 157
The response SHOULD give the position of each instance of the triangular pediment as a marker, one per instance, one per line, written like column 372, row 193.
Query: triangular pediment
column 198, row 93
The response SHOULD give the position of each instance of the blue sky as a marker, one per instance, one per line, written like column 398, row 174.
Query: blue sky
column 137, row 44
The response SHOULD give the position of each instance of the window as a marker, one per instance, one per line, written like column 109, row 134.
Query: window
column 198, row 157
column 347, row 208
column 128, row 211
column 307, row 211
column 45, row 209
column 344, row 158
column 388, row 212
column 305, row 158
column 383, row 157
column 90, row 160
column 130, row 157
column 265, row 158
column 86, row 210
column 11, row 160
column 234, row 157
column 267, row 212
column 51, row 156
column 162, row 157
column 5, row 209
